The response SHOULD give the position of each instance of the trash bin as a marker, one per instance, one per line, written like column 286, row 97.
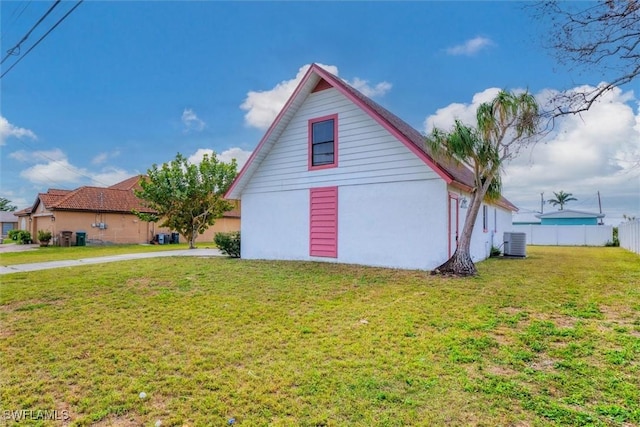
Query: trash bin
column 161, row 239
column 65, row 238
column 81, row 238
column 175, row 238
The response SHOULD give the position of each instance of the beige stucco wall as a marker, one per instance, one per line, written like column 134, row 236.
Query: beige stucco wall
column 222, row 225
column 120, row 228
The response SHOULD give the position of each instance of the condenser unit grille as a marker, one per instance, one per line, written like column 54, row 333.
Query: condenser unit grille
column 515, row 244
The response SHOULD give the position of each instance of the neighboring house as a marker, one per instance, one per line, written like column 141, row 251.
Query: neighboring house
column 525, row 219
column 8, row 221
column 339, row 178
column 23, row 218
column 570, row 217
column 104, row 214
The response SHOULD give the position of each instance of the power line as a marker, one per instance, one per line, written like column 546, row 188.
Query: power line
column 12, row 51
column 42, row 38
column 15, row 18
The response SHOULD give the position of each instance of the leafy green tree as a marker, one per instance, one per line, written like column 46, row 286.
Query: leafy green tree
column 503, row 126
column 6, row 206
column 561, row 199
column 187, row 197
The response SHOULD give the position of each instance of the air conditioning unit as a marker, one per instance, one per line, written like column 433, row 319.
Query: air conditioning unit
column 515, row 244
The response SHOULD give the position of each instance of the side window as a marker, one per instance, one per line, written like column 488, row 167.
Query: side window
column 485, row 218
column 323, row 142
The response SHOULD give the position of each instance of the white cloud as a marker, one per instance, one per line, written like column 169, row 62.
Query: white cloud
column 16, row 199
column 52, row 169
column 8, row 130
column 470, row 47
column 466, row 113
column 58, row 172
column 103, row 157
column 370, row 91
column 262, row 107
column 239, row 154
column 191, row 121
column 100, row 158
column 109, row 176
column 38, row 156
column 598, row 150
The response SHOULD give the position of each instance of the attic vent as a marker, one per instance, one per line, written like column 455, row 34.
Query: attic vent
column 515, row 244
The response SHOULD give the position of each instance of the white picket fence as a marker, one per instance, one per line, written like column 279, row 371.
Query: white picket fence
column 629, row 235
column 566, row 235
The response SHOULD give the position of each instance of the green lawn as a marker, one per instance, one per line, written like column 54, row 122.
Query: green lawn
column 57, row 253
column 553, row 339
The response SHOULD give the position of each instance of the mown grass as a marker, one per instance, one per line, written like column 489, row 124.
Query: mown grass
column 57, row 253
column 553, row 339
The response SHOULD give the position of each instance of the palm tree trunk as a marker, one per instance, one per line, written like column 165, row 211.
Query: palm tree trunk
column 460, row 263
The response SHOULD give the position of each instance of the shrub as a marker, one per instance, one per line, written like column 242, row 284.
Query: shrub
column 20, row 236
column 495, row 252
column 44, row 235
column 616, row 239
column 228, row 243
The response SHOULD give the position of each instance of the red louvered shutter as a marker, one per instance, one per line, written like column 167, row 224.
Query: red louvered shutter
column 323, row 237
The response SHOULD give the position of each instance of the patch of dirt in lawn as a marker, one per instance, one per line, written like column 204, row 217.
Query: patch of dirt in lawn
column 126, row 420
column 563, row 321
column 503, row 335
column 545, row 365
column 502, row 371
column 623, row 316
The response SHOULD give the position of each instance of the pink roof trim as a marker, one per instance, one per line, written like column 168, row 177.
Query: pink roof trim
column 458, row 176
column 339, row 85
column 270, row 130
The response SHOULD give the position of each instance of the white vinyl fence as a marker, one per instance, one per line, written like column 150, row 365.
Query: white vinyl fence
column 566, row 235
column 629, row 235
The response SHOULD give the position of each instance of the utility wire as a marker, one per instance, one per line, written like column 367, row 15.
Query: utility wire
column 15, row 18
column 42, row 38
column 26, row 36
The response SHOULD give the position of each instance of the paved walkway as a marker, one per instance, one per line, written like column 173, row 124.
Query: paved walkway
column 19, row 268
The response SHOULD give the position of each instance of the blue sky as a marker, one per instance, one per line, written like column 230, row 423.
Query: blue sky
column 121, row 85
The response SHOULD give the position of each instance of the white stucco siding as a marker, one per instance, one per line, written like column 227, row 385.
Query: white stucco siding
column 397, row 225
column 275, row 225
column 367, row 152
column 400, row 225
column 498, row 221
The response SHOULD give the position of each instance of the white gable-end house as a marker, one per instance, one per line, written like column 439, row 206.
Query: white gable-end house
column 339, row 178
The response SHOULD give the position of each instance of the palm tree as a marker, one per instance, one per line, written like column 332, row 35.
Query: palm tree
column 503, row 126
column 561, row 199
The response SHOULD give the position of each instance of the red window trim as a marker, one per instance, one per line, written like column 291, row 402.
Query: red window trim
column 335, row 142
column 452, row 196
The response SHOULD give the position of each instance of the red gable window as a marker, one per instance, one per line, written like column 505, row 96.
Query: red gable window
column 323, row 142
column 323, row 232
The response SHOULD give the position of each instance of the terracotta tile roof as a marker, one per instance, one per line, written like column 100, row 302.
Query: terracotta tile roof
column 99, row 199
column 132, row 183
column 117, row 198
column 51, row 197
column 23, row 212
column 235, row 212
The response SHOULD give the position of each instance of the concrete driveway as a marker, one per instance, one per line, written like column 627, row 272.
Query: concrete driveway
column 20, row 268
